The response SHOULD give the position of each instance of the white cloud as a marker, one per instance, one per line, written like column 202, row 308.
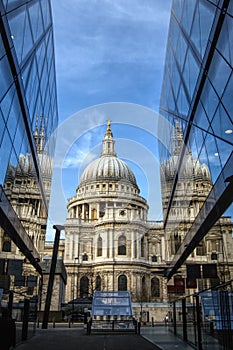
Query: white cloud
column 94, row 33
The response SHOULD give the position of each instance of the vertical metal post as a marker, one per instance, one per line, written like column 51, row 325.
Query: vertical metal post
column 51, row 275
column 10, row 303
column 25, row 319
column 174, row 317
column 198, row 312
column 184, row 318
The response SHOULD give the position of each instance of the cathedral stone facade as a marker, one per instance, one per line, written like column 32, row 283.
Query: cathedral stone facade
column 110, row 244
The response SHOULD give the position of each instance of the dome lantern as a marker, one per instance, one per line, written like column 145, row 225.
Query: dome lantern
column 108, row 167
column 108, row 142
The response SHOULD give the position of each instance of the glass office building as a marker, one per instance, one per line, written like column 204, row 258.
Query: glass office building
column 28, row 120
column 197, row 98
column 197, row 120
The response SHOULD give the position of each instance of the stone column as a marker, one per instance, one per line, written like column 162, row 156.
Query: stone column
column 133, row 245
column 89, row 213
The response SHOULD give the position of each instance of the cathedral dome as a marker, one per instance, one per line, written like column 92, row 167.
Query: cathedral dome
column 108, row 166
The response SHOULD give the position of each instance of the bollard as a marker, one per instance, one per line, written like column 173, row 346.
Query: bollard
column 139, row 328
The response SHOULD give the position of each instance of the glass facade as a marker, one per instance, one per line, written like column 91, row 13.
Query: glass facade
column 28, row 120
column 196, row 100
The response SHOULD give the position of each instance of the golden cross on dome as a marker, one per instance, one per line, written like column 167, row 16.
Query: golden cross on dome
column 109, row 122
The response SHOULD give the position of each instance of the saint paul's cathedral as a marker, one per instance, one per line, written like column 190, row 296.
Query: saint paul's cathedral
column 110, row 244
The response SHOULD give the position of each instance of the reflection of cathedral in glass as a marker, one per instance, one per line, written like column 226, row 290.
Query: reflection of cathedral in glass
column 110, row 244
column 28, row 89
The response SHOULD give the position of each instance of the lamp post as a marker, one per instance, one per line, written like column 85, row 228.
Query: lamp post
column 58, row 229
column 74, row 285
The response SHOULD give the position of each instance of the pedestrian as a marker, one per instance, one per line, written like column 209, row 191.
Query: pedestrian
column 7, row 330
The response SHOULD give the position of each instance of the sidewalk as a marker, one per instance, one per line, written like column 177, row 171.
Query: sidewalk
column 163, row 338
column 63, row 338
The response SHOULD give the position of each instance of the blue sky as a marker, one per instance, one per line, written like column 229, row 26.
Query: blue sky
column 109, row 62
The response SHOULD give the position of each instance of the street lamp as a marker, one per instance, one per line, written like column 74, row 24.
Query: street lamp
column 77, row 258
column 58, row 229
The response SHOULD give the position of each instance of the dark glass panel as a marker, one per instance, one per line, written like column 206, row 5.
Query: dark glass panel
column 174, row 32
column 13, row 117
column 195, row 32
column 14, row 4
column 31, row 281
column 32, row 86
column 187, row 17
column 197, row 139
column 178, row 8
column 10, row 174
column 171, row 102
column 6, row 78
column 35, row 19
column 210, row 158
column 28, row 40
column 193, row 270
column 2, row 49
column 46, row 12
column 222, row 125
column 25, row 74
column 225, row 44
column 181, row 51
column 223, row 151
column 206, row 13
column 227, row 99
column 40, row 59
column 182, row 102
column 190, row 73
column 17, row 21
column 209, row 270
column 175, row 81
column 230, row 8
column 201, row 117
column 7, row 102
column 219, row 73
column 15, row 267
column 5, row 151
column 19, row 136
column 209, row 99
column 2, row 126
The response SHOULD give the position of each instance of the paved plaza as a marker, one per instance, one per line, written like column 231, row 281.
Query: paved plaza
column 63, row 338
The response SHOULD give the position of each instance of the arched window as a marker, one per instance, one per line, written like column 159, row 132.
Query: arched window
column 155, row 290
column 201, row 249
column 177, row 242
column 122, row 282
column 144, row 289
column 85, row 257
column 99, row 246
column 84, row 287
column 6, row 247
column 122, row 245
column 98, row 283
